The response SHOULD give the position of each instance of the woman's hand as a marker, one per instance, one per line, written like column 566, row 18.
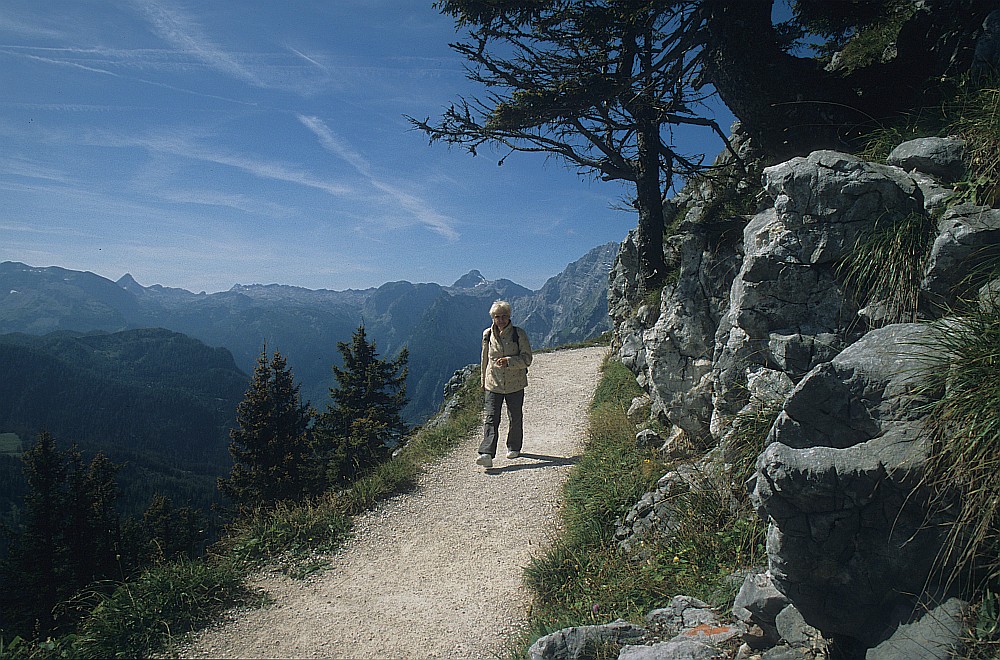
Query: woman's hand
column 503, row 362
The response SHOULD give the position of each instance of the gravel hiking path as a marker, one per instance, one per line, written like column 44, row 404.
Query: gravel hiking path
column 436, row 573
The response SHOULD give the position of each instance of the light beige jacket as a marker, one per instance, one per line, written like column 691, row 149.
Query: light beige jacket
column 513, row 377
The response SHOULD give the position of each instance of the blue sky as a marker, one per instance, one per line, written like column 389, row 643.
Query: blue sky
column 204, row 144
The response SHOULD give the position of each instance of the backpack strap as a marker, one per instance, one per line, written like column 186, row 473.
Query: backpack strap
column 489, row 334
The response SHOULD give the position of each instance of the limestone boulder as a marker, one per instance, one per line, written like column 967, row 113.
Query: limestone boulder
column 788, row 308
column 937, row 156
column 849, row 533
column 967, row 240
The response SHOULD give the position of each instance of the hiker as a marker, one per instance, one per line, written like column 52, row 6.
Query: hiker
column 505, row 361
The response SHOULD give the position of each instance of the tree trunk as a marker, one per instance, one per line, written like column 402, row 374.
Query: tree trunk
column 648, row 191
column 792, row 105
column 786, row 104
column 649, row 203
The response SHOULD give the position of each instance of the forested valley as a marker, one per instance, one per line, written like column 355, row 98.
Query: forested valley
column 126, row 450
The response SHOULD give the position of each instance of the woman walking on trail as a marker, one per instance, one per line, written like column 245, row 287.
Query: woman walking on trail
column 505, row 361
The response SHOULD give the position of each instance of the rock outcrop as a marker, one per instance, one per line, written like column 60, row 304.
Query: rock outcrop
column 763, row 297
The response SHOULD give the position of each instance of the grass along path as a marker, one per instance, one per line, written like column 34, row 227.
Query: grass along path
column 437, row 572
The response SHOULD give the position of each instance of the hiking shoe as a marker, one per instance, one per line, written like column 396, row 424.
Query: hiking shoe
column 485, row 460
column 513, row 454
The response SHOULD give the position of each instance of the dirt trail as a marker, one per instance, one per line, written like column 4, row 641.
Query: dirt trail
column 436, row 573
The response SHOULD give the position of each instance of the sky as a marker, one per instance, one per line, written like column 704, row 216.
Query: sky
column 201, row 145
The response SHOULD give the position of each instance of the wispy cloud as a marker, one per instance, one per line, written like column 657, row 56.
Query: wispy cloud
column 185, row 34
column 65, row 232
column 183, row 146
column 321, row 67
column 225, row 200
column 20, row 28
column 103, row 61
column 24, row 168
column 416, row 206
column 59, row 62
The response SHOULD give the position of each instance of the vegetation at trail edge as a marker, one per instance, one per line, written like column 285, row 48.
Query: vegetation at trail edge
column 103, row 586
column 93, row 568
column 587, row 578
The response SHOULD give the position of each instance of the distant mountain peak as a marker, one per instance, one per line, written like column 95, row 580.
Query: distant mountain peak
column 128, row 282
column 470, row 280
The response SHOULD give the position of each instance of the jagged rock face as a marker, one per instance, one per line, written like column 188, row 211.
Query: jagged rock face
column 837, row 484
column 670, row 348
column 788, row 309
column 958, row 252
column 850, row 537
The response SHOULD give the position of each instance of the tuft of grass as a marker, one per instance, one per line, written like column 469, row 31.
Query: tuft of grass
column 887, row 264
column 164, row 602
column 287, row 531
column 977, row 120
column 964, row 425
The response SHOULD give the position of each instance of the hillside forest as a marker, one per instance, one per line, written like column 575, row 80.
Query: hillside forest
column 70, row 529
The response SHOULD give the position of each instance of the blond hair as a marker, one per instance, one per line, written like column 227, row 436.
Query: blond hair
column 500, row 306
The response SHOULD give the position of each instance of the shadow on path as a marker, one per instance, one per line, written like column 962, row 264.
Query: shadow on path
column 540, row 461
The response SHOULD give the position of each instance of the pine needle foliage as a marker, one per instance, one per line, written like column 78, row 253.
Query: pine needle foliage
column 270, row 448
column 70, row 537
column 362, row 422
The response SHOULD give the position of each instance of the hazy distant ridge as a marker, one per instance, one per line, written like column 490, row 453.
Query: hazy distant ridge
column 440, row 324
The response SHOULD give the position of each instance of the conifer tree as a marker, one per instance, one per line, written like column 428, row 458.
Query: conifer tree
column 270, row 449
column 170, row 531
column 40, row 557
column 93, row 527
column 70, row 532
column 363, row 420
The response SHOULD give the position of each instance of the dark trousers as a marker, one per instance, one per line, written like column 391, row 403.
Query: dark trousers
column 491, row 426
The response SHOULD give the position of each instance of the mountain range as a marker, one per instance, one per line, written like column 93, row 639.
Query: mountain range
column 440, row 325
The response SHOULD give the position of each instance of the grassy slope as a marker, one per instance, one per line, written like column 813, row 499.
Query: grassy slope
column 144, row 615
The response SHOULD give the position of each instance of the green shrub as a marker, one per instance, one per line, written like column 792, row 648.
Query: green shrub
column 164, row 602
column 869, row 44
column 18, row 648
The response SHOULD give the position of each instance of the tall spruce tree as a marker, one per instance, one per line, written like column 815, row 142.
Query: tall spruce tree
column 93, row 526
column 69, row 537
column 270, row 449
column 363, row 420
column 40, row 564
